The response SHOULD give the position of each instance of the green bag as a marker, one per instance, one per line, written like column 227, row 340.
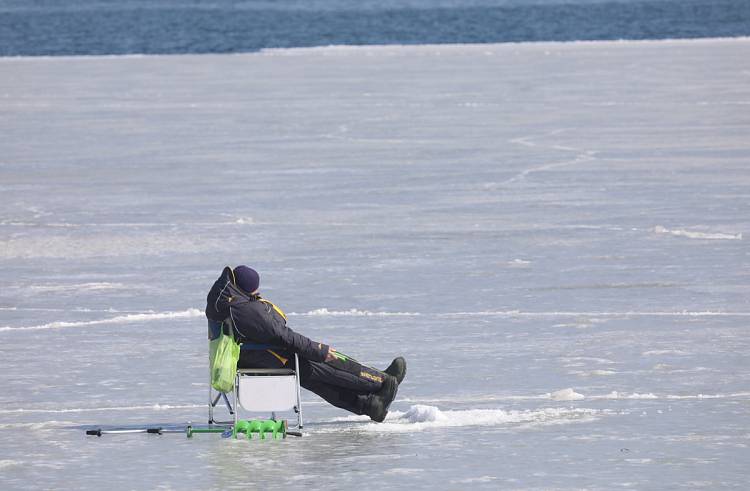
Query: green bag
column 224, row 352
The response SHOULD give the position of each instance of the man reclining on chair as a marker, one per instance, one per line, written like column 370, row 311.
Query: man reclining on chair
column 337, row 378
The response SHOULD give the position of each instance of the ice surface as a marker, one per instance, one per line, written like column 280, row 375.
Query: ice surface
column 553, row 235
column 421, row 417
column 697, row 235
column 120, row 319
column 566, row 395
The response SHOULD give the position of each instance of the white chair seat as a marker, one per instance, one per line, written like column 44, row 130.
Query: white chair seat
column 267, row 390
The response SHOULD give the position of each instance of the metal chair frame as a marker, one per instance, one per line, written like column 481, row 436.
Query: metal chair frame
column 233, row 407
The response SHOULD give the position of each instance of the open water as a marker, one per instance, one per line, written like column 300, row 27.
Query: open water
column 88, row 27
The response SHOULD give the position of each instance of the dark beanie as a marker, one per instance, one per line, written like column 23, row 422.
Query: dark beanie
column 247, row 278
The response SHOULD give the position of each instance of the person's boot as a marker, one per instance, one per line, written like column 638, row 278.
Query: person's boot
column 379, row 402
column 397, row 369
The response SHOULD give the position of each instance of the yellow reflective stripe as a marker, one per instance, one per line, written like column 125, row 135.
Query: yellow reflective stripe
column 282, row 314
column 374, row 378
column 281, row 358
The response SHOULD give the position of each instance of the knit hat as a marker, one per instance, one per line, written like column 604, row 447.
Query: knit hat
column 247, row 278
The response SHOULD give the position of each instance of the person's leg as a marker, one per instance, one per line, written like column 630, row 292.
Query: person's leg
column 350, row 385
column 348, row 373
column 349, row 400
column 344, row 372
column 344, row 383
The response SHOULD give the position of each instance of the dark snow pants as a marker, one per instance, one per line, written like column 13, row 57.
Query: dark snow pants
column 343, row 382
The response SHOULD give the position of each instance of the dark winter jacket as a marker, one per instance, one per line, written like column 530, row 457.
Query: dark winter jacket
column 257, row 320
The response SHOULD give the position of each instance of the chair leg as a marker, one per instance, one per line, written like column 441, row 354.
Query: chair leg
column 211, row 403
column 229, row 406
column 299, row 398
column 236, row 407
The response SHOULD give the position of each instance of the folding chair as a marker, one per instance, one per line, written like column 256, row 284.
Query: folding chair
column 268, row 389
column 258, row 389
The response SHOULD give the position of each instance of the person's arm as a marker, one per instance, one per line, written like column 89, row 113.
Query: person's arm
column 331, row 355
column 213, row 310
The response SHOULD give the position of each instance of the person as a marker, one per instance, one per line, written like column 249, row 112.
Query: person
column 337, row 378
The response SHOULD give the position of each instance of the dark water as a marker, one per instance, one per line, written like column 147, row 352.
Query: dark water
column 81, row 27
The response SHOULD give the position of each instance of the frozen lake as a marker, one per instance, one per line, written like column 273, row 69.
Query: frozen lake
column 553, row 235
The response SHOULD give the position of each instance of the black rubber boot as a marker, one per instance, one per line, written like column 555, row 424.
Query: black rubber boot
column 378, row 404
column 397, row 369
